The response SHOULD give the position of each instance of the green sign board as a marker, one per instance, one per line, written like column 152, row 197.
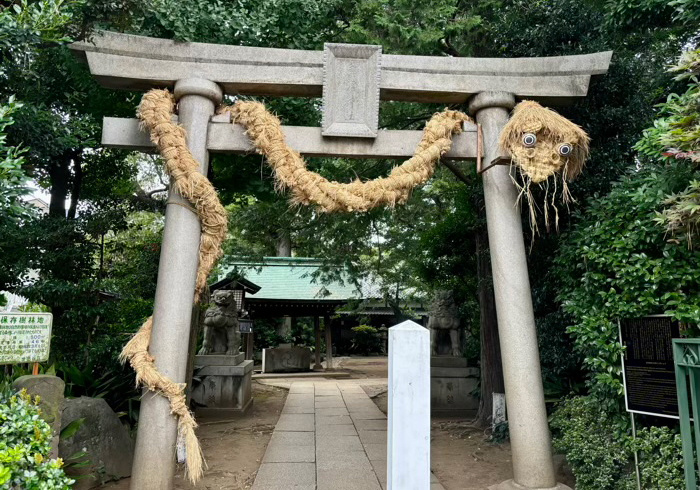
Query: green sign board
column 24, row 337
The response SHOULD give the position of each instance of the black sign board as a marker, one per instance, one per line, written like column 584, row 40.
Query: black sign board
column 647, row 365
column 245, row 326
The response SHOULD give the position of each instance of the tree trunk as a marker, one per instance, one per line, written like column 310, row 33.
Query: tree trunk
column 59, row 175
column 491, row 368
column 284, row 244
column 77, row 182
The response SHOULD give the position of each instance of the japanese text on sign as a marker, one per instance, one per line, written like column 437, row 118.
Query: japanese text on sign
column 647, row 366
column 24, row 337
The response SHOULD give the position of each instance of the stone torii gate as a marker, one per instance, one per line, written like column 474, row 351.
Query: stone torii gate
column 351, row 79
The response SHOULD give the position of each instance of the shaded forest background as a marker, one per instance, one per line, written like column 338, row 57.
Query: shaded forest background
column 624, row 250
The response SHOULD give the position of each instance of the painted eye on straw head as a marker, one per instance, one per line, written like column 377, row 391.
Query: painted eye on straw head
column 565, row 149
column 529, row 140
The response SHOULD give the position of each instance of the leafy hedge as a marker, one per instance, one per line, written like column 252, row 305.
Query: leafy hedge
column 590, row 439
column 25, row 443
column 618, row 263
column 600, row 454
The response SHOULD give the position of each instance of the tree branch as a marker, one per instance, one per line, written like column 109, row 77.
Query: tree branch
column 149, row 194
column 455, row 170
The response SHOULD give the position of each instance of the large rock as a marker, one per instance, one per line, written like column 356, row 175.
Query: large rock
column 49, row 389
column 106, row 440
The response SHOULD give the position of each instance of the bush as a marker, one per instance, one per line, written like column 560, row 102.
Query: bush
column 660, row 458
column 366, row 340
column 25, row 442
column 617, row 263
column 600, row 453
column 594, row 448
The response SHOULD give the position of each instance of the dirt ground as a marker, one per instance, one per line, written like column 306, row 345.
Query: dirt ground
column 461, row 456
column 235, row 447
column 462, row 459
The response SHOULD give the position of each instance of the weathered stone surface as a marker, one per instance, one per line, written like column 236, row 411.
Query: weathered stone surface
column 286, row 360
column 50, row 390
column 296, row 422
column 221, row 328
column 140, row 63
column 351, row 75
column 292, row 476
column 444, row 319
column 219, row 360
column 223, row 387
column 106, row 440
column 527, row 413
column 286, row 453
column 224, row 137
column 172, row 311
column 343, row 459
column 451, row 389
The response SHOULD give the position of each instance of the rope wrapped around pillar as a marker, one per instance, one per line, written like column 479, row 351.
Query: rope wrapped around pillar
column 264, row 129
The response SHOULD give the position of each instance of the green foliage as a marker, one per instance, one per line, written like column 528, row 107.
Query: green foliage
column 366, row 340
column 676, row 132
column 561, row 367
column 13, row 180
column 631, row 13
column 25, row 443
column 600, row 454
column 115, row 383
column 589, row 438
column 500, row 433
column 660, row 458
column 681, row 213
column 428, row 28
column 617, row 264
column 32, row 24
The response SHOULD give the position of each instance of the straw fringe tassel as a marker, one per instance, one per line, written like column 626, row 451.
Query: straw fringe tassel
column 264, row 129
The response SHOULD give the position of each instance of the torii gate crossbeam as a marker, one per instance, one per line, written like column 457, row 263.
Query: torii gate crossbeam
column 201, row 73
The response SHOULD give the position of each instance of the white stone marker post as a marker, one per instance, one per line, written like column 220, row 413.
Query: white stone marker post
column 408, row 445
column 527, row 416
column 154, row 457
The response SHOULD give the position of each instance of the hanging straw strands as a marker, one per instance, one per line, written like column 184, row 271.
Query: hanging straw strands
column 543, row 144
column 306, row 187
column 155, row 112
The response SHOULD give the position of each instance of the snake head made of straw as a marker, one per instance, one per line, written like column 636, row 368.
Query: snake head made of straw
column 542, row 143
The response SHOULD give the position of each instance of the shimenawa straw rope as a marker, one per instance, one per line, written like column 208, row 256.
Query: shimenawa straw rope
column 306, row 187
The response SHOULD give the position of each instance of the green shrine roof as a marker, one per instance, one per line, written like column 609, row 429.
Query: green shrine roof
column 295, row 278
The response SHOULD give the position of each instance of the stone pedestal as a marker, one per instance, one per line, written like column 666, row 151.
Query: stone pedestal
column 225, row 383
column 286, row 360
column 451, row 387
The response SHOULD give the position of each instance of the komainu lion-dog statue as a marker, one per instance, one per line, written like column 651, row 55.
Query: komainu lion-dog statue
column 221, row 329
column 444, row 315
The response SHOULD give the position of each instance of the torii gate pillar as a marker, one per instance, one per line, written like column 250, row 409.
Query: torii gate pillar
column 527, row 416
column 139, row 63
column 154, row 457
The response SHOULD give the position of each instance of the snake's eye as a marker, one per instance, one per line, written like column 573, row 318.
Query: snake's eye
column 565, row 149
column 529, row 140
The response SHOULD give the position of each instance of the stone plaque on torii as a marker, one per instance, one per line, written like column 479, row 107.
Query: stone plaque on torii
column 352, row 79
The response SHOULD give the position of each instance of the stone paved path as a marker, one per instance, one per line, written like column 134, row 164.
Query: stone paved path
column 330, row 436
